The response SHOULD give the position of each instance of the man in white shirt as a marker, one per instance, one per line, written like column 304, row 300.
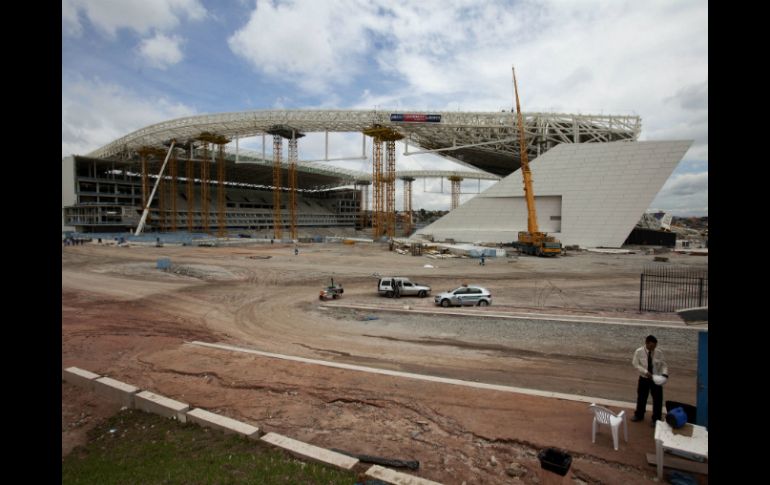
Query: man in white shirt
column 649, row 362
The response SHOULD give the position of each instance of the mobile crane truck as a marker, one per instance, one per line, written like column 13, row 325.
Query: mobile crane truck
column 532, row 241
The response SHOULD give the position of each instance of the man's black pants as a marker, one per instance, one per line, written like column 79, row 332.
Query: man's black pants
column 645, row 387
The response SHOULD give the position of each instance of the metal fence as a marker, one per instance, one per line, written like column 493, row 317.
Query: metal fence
column 666, row 288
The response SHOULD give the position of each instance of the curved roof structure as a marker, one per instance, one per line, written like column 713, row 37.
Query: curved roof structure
column 485, row 140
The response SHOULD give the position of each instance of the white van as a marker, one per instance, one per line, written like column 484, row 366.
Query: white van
column 385, row 287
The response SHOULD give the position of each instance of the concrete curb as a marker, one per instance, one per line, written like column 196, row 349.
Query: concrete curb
column 79, row 377
column 312, row 452
column 132, row 397
column 228, row 425
column 116, row 391
column 396, row 478
column 160, row 405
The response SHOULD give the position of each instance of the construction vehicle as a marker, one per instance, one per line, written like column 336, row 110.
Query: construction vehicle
column 332, row 291
column 532, row 241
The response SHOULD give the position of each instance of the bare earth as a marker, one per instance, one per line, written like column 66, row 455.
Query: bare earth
column 124, row 318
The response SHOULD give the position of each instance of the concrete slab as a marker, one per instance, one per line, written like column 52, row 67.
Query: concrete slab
column 217, row 421
column 163, row 406
column 312, row 452
column 396, row 478
column 117, row 391
column 679, row 464
column 79, row 377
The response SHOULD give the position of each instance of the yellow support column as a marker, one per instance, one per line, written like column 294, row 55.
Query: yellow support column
column 173, row 175
column 205, row 178
column 390, row 187
column 277, row 214
column 190, row 191
column 293, row 187
column 221, row 205
column 383, row 181
column 377, row 176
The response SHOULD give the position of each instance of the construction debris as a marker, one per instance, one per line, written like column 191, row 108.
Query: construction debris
column 411, row 464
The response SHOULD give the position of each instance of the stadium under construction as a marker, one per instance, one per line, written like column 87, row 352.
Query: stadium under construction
column 190, row 174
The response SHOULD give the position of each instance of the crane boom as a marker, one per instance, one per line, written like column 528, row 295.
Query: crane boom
column 526, row 173
column 533, row 241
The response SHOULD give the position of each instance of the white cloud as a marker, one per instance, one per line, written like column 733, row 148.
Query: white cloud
column 95, row 113
column 69, row 19
column 139, row 15
column 161, row 51
column 686, row 184
column 684, row 194
column 694, row 97
column 306, row 43
column 590, row 56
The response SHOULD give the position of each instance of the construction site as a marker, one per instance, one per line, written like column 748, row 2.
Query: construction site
column 198, row 266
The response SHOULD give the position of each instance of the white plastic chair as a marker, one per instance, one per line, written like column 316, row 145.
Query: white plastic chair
column 605, row 416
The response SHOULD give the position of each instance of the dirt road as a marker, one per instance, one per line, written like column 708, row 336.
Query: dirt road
column 124, row 318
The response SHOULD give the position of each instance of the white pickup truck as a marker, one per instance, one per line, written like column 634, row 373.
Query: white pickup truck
column 408, row 288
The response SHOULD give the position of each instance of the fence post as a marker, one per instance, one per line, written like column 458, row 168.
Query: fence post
column 700, row 292
column 641, row 293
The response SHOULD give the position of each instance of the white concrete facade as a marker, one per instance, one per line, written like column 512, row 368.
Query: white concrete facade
column 590, row 194
column 68, row 196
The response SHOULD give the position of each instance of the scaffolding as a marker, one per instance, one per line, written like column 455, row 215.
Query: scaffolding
column 208, row 140
column 205, row 179
column 383, row 181
column 293, row 187
column 172, row 184
column 455, row 191
column 190, row 190
column 377, row 222
column 390, row 188
column 162, row 204
column 221, row 204
column 277, row 216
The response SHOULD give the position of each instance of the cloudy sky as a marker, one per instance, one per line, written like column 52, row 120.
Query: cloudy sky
column 127, row 64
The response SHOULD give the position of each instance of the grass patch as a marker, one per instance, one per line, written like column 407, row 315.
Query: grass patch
column 142, row 448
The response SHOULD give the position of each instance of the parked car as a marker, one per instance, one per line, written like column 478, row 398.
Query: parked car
column 408, row 288
column 464, row 296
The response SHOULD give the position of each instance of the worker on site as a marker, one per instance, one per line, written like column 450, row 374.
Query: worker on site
column 653, row 373
column 296, row 250
column 481, row 260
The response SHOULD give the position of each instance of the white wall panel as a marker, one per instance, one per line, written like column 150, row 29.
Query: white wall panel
column 599, row 189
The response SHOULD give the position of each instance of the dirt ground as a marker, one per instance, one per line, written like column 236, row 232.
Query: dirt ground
column 124, row 318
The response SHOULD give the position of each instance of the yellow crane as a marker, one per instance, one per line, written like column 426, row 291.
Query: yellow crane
column 532, row 241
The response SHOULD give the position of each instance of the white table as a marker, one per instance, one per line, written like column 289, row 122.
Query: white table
column 668, row 439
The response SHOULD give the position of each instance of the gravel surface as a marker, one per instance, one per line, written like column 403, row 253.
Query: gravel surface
column 123, row 318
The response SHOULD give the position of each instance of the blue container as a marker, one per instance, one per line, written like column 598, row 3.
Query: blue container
column 676, row 418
